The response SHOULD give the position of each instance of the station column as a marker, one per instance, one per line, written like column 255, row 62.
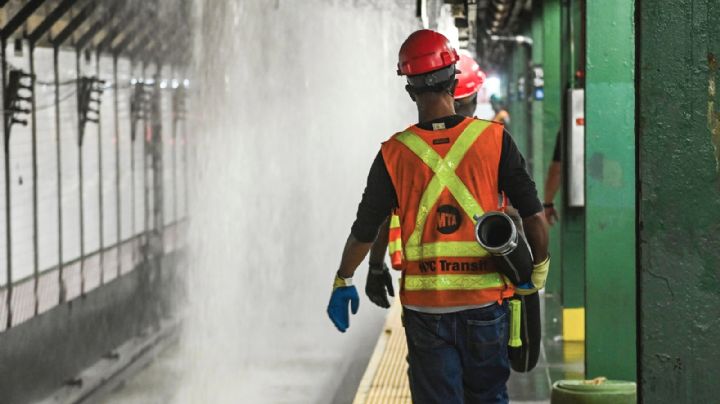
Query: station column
column 610, row 190
column 551, row 121
column 679, row 200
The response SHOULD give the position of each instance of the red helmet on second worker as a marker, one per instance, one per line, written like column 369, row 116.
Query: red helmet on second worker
column 427, row 58
column 470, row 78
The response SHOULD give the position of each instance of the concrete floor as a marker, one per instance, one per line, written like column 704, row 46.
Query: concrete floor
column 302, row 371
column 303, row 366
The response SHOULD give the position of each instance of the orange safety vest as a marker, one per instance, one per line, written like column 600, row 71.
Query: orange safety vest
column 395, row 242
column 443, row 179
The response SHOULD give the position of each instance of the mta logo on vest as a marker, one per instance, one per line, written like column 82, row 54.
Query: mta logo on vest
column 448, row 219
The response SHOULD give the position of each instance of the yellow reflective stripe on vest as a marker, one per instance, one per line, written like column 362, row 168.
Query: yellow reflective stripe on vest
column 394, row 221
column 394, row 246
column 452, row 282
column 445, row 177
column 444, row 249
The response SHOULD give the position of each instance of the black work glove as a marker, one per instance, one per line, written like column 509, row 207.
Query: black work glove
column 377, row 280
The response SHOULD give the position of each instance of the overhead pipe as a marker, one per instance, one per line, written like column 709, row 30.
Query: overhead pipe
column 527, row 42
column 518, row 39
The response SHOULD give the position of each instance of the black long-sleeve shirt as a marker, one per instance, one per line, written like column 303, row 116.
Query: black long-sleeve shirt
column 379, row 198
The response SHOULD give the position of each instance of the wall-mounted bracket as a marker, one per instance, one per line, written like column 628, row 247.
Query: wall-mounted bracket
column 18, row 97
column 90, row 90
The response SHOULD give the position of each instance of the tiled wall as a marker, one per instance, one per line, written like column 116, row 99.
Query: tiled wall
column 100, row 145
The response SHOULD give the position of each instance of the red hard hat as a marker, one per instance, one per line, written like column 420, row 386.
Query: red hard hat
column 425, row 51
column 470, row 78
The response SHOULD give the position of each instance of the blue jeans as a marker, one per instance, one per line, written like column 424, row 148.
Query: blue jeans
column 458, row 357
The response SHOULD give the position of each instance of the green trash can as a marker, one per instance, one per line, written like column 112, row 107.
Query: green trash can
column 598, row 391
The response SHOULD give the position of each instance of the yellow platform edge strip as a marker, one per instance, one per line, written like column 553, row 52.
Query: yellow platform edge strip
column 366, row 382
column 385, row 378
column 574, row 324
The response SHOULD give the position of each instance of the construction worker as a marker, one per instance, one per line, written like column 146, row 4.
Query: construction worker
column 501, row 114
column 470, row 80
column 439, row 174
column 379, row 282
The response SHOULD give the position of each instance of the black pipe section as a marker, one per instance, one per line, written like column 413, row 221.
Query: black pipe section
column 496, row 232
column 80, row 175
column 156, row 243
column 101, row 208
column 8, row 216
column 173, row 134
column 146, row 188
column 58, row 155
column 118, row 218
column 33, row 128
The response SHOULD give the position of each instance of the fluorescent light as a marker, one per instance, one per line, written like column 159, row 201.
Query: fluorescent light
column 492, row 85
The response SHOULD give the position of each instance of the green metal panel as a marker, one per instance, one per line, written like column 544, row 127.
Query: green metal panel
column 610, row 190
column 573, row 258
column 537, row 159
column 551, row 121
column 573, row 227
column 679, row 200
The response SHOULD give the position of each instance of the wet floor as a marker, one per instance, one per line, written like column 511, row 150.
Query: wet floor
column 304, row 370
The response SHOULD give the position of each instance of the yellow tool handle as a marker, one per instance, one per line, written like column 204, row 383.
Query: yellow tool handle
column 515, row 314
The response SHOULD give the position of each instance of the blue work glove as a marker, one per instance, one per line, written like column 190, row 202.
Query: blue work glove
column 343, row 293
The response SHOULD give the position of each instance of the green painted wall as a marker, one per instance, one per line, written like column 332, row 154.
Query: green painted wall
column 573, row 219
column 610, row 190
column 679, row 200
column 537, row 160
column 551, row 122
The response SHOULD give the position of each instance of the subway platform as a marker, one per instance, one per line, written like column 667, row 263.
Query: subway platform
column 178, row 179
